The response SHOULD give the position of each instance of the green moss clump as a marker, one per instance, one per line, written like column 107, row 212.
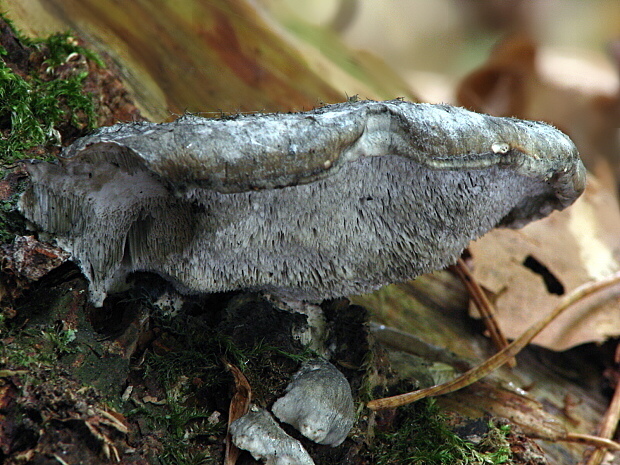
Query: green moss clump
column 34, row 105
column 37, row 349
column 60, row 47
column 42, row 104
column 423, row 437
column 11, row 222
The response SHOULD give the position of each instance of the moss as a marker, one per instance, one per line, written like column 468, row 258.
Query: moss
column 42, row 104
column 39, row 97
column 11, row 222
column 190, row 433
column 422, row 436
column 26, row 348
column 62, row 341
column 191, row 347
column 60, row 47
column 41, row 345
column 188, row 382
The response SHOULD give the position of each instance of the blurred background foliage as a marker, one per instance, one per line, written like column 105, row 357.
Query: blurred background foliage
column 297, row 52
column 433, row 44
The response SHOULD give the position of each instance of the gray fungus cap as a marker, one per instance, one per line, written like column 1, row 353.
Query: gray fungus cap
column 336, row 201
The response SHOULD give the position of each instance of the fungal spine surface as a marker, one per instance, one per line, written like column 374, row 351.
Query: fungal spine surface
column 336, row 201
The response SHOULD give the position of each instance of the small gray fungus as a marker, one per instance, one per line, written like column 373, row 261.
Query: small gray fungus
column 258, row 433
column 318, row 403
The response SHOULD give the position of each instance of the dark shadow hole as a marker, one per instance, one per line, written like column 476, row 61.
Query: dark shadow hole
column 551, row 282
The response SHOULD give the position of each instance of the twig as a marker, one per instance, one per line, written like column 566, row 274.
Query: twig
column 609, row 422
column 502, row 356
column 485, row 308
column 600, row 442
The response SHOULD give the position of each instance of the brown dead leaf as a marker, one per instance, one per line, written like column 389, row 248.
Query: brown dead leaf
column 527, row 271
column 503, row 85
column 113, row 419
column 153, row 400
column 239, row 406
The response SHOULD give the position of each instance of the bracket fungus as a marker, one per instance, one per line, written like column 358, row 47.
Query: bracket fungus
column 336, row 201
column 318, row 403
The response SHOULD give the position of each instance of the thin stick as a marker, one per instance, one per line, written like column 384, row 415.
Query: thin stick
column 600, row 442
column 485, row 308
column 609, row 423
column 500, row 357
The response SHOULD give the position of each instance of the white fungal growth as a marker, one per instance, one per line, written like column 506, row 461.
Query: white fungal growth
column 259, row 434
column 318, row 403
column 500, row 147
column 337, row 201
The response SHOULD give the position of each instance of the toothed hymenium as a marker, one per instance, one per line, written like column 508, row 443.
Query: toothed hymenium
column 336, row 201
